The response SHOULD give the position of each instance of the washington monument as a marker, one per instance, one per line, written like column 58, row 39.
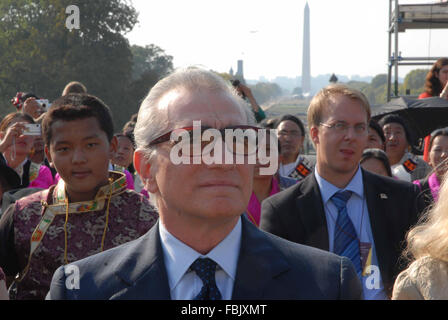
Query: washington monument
column 306, row 65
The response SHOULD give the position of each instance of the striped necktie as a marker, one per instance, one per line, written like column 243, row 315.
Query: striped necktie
column 346, row 241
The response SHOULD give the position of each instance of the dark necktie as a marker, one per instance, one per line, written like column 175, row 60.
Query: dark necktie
column 205, row 269
column 345, row 239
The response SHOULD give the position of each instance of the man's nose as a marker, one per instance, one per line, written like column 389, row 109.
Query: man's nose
column 224, row 157
column 78, row 156
column 350, row 133
column 390, row 137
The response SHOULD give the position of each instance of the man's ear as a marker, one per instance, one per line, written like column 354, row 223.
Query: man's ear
column 314, row 135
column 138, row 161
column 144, row 170
column 48, row 155
column 113, row 145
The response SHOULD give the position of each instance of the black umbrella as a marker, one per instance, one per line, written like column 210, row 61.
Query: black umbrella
column 422, row 115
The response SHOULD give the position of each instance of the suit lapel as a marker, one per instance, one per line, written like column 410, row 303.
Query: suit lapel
column 258, row 263
column 378, row 205
column 143, row 271
column 309, row 204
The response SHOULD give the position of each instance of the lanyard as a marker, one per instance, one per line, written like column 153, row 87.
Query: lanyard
column 61, row 206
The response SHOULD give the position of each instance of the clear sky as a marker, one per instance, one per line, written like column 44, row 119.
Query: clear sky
column 348, row 37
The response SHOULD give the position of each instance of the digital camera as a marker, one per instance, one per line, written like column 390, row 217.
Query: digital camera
column 32, row 129
column 44, row 103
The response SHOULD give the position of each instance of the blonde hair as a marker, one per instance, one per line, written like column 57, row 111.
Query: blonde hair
column 430, row 236
column 322, row 100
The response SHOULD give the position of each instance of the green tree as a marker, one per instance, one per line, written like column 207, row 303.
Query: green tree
column 379, row 80
column 359, row 85
column 150, row 58
column 264, row 91
column 38, row 53
column 150, row 64
column 297, row 90
column 415, row 81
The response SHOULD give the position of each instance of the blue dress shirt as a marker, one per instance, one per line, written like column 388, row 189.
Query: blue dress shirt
column 359, row 214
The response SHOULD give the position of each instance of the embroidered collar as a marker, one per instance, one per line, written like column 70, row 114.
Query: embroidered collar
column 116, row 186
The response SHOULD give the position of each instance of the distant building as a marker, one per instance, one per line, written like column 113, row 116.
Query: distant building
column 231, row 71
column 239, row 72
column 306, row 63
column 333, row 78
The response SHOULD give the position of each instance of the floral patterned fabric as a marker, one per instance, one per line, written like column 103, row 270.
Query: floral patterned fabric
column 130, row 216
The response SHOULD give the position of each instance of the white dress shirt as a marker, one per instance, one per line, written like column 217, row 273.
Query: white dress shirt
column 178, row 257
column 286, row 169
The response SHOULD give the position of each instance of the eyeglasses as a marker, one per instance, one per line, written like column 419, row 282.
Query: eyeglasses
column 342, row 127
column 240, row 140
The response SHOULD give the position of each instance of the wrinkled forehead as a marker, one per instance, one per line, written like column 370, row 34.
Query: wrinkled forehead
column 213, row 108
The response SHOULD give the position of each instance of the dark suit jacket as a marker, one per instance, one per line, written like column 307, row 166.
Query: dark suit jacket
column 268, row 268
column 297, row 214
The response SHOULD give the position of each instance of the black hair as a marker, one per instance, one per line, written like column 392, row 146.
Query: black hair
column 293, row 119
column 269, row 123
column 76, row 106
column 436, row 133
column 128, row 135
column 394, row 118
column 377, row 154
column 27, row 95
column 375, row 126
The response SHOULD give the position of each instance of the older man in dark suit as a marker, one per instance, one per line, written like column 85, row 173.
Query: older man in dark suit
column 201, row 248
column 341, row 207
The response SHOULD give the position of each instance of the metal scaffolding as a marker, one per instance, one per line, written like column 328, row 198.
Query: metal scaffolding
column 411, row 16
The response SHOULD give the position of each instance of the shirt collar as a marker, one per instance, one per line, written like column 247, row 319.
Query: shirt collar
column 178, row 256
column 327, row 189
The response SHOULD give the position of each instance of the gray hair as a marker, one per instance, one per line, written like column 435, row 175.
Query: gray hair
column 151, row 123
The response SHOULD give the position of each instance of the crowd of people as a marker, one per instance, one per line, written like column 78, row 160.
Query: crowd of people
column 365, row 218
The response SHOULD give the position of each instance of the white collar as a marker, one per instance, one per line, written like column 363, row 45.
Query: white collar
column 178, row 256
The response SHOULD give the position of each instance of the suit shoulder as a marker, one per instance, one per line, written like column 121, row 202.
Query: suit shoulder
column 391, row 182
column 110, row 258
column 285, row 195
column 325, row 274
column 302, row 252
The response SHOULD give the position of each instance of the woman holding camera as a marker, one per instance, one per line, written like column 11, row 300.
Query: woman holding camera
column 27, row 104
column 16, row 145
